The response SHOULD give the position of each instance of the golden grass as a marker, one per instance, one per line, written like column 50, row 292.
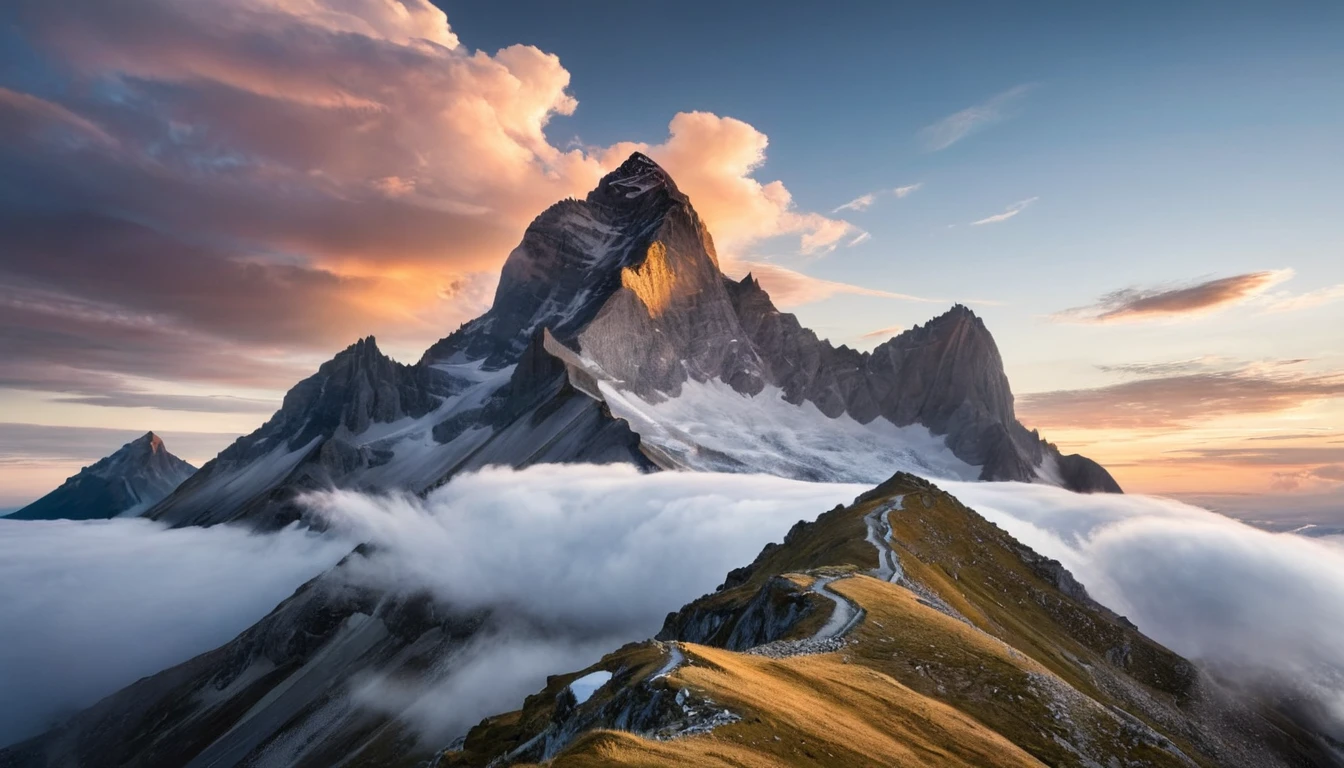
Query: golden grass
column 808, row 711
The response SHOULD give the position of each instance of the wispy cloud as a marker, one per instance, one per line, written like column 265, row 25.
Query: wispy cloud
column 1285, row 302
column 790, row 288
column 863, row 237
column 1008, row 212
column 883, row 333
column 1133, row 304
column 860, row 203
column 864, row 202
column 959, row 125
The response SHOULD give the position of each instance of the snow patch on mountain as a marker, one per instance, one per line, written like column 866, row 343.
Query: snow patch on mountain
column 711, row 427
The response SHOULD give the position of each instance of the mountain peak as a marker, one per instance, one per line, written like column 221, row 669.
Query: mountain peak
column 150, row 441
column 635, row 178
column 127, row 480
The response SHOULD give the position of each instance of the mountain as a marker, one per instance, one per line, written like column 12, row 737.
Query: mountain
column 615, row 336
column 128, row 481
column 902, row 630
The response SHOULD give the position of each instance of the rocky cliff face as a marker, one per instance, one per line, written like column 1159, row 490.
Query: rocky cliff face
column 630, row 278
column 136, row 476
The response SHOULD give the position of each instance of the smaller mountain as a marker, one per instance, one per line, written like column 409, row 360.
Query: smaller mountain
column 134, row 478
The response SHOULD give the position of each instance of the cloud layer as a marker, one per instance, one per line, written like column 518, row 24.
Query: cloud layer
column 89, row 607
column 1266, row 609
column 584, row 558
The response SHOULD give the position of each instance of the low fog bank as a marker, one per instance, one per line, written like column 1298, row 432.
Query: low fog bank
column 89, row 607
column 575, row 560
column 1261, row 608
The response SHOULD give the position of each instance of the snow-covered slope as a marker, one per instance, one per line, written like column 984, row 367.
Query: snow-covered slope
column 126, row 482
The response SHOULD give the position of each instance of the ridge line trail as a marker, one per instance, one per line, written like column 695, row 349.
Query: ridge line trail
column 847, row 614
column 879, row 534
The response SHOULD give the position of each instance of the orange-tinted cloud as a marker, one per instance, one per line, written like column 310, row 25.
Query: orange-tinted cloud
column 295, row 174
column 1180, row 399
column 788, row 288
column 1133, row 304
column 883, row 333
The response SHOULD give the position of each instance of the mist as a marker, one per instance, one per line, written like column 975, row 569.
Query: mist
column 577, row 560
column 1257, row 608
column 89, row 607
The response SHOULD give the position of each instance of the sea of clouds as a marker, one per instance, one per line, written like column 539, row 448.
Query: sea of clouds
column 584, row 558
column 1259, row 608
column 89, row 607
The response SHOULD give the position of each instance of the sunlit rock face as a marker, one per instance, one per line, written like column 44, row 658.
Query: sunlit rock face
column 629, row 277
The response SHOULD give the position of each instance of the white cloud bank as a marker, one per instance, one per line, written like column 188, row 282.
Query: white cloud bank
column 1260, row 608
column 580, row 559
column 575, row 560
column 89, row 607
column 599, row 548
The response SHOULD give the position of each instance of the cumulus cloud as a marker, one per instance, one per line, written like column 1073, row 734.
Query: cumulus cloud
column 1208, row 587
column 1131, row 304
column 959, row 125
column 1182, row 398
column 1008, row 212
column 89, row 607
column 233, row 179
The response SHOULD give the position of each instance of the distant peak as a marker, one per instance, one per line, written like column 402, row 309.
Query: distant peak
column 149, row 440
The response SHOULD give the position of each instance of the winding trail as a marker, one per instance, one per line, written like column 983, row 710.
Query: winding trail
column 675, row 659
column 845, row 616
column 879, row 535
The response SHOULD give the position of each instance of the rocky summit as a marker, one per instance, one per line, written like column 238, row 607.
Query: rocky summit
column 126, row 482
column 630, row 333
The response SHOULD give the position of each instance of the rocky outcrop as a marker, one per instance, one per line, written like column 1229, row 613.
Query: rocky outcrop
column 131, row 479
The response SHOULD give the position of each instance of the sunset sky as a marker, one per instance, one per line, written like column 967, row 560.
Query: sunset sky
column 201, row 202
